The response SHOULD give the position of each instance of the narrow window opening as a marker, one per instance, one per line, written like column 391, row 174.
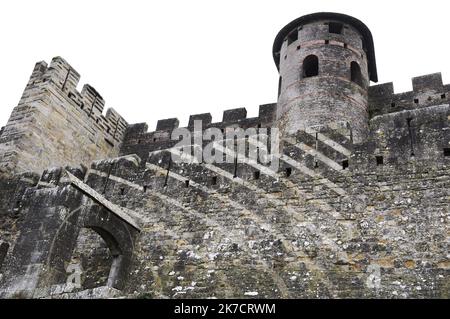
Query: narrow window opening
column 214, row 180
column 299, row 47
column 310, row 66
column 356, row 75
column 96, row 121
column 380, row 160
column 447, row 152
column 393, row 104
column 279, row 88
column 285, row 57
column 144, row 188
column 443, row 96
column 327, row 41
column 336, row 28
column 345, row 45
column 235, row 166
column 139, row 141
column 416, row 101
column 344, row 164
column 154, row 139
column 288, row 171
column 122, row 191
column 316, row 164
column 256, row 175
column 186, row 183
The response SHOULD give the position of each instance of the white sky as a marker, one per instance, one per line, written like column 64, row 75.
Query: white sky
column 158, row 59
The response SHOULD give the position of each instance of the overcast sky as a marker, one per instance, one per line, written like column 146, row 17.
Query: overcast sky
column 158, row 59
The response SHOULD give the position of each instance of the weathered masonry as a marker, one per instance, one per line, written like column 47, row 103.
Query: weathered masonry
column 93, row 207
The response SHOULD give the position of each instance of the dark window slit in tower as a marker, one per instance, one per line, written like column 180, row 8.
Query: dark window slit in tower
column 279, row 88
column 186, row 183
column 299, row 47
column 214, row 180
column 416, row 101
column 285, row 57
column 327, row 41
column 310, row 66
column 144, row 188
column 355, row 73
column 345, row 45
column 380, row 160
column 393, row 104
column 288, row 171
column 336, row 28
column 344, row 164
column 447, row 152
column 122, row 191
column 443, row 96
column 256, row 175
column 316, row 164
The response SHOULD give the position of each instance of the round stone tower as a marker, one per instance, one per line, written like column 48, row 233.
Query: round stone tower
column 325, row 61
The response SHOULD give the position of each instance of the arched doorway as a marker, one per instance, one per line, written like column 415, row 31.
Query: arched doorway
column 111, row 251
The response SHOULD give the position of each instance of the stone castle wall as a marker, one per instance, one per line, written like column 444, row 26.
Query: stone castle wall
column 358, row 206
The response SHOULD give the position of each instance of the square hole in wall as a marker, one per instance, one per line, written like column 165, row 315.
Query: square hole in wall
column 393, row 104
column 214, row 180
column 336, row 28
column 299, row 47
column 380, row 160
column 443, row 96
column 416, row 101
column 344, row 164
column 447, row 151
column 256, row 175
column 186, row 183
column 327, row 41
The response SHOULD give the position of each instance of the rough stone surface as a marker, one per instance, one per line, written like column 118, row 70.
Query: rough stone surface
column 359, row 207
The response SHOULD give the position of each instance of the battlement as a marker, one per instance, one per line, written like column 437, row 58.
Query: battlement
column 62, row 76
column 427, row 90
column 55, row 120
column 138, row 140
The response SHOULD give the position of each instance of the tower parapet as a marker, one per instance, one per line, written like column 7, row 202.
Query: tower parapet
column 325, row 62
column 57, row 124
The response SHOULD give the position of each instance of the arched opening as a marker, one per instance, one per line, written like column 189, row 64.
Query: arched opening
column 356, row 75
column 92, row 248
column 93, row 259
column 310, row 66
